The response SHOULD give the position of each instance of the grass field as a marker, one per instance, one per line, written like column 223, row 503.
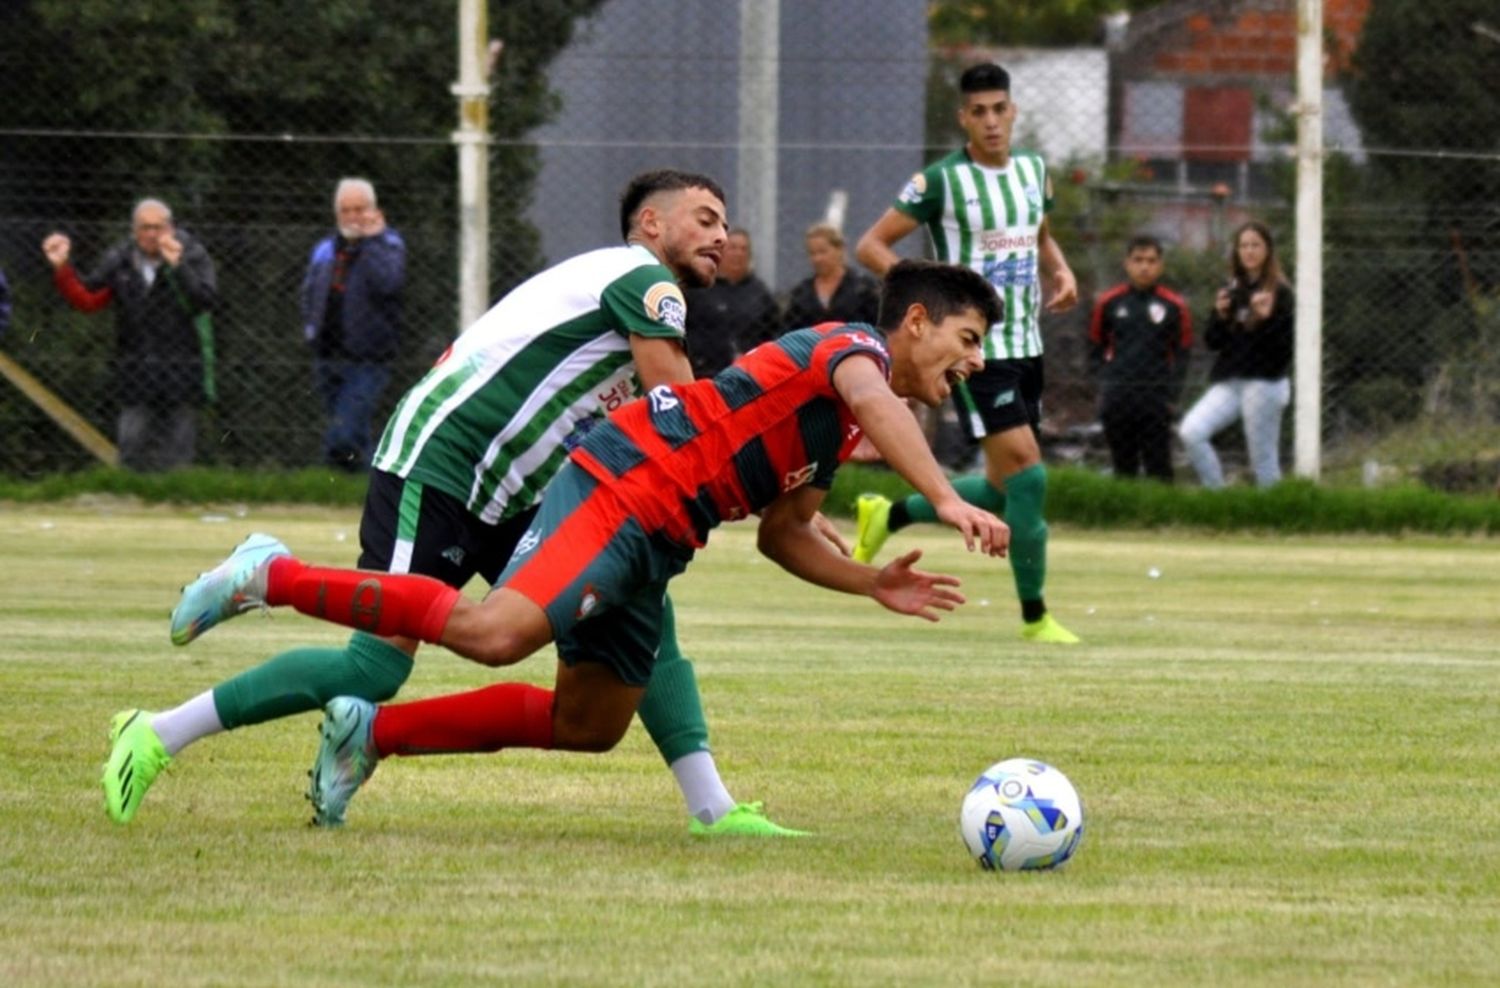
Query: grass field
column 1287, row 749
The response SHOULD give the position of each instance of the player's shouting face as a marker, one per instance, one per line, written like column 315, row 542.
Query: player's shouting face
column 691, row 228
column 940, row 354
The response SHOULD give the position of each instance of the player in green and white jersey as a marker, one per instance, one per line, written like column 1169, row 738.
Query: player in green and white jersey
column 985, row 207
column 458, row 476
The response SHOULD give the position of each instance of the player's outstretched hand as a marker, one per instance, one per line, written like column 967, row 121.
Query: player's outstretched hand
column 976, row 525
column 905, row 590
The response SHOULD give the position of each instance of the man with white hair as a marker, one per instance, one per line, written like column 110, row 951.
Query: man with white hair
column 161, row 282
column 351, row 314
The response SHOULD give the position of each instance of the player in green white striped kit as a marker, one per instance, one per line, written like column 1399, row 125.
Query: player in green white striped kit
column 459, row 473
column 985, row 207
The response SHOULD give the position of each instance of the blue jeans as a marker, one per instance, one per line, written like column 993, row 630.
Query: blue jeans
column 1259, row 404
column 350, row 390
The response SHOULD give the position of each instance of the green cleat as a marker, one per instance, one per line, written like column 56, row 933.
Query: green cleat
column 872, row 526
column 136, row 757
column 346, row 758
column 745, row 820
column 1046, row 630
column 234, row 586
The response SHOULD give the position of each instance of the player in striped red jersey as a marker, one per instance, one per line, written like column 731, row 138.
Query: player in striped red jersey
column 638, row 497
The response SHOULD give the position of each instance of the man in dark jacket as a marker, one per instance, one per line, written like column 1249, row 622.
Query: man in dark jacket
column 1140, row 335
column 160, row 281
column 4, row 304
column 734, row 315
column 351, row 315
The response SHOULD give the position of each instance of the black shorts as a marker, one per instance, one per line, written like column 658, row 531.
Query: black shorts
column 408, row 527
column 1002, row 396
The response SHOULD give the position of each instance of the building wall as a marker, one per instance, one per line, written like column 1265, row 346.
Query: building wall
column 655, row 83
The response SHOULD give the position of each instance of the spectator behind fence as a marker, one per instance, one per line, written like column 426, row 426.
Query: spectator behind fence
column 732, row 316
column 834, row 293
column 4, row 304
column 351, row 316
column 1140, row 334
column 162, row 283
column 1250, row 328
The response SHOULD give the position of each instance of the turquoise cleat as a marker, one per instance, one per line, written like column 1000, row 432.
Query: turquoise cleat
column 346, row 758
column 234, row 586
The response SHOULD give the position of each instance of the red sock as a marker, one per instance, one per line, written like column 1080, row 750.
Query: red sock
column 506, row 715
column 383, row 604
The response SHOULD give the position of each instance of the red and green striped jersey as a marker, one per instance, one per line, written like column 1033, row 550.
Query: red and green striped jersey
column 489, row 423
column 690, row 456
column 989, row 220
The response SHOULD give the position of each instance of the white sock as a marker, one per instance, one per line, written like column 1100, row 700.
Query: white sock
column 702, row 789
column 181, row 726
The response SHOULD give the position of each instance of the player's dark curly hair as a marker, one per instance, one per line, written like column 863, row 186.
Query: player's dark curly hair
column 944, row 289
column 983, row 78
column 647, row 184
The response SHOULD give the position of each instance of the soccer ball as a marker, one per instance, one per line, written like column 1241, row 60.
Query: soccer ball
column 1021, row 815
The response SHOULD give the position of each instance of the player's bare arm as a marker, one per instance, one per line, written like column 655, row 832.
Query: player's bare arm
column 893, row 429
column 1062, row 285
column 875, row 248
column 788, row 537
column 659, row 360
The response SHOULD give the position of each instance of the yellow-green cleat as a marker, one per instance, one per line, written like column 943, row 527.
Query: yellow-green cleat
column 745, row 820
column 872, row 526
column 136, row 757
column 1047, row 631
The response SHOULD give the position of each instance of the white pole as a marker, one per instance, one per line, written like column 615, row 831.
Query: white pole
column 759, row 113
column 472, row 142
column 1309, row 351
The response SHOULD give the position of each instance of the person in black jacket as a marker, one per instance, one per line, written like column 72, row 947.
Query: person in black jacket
column 734, row 315
column 834, row 293
column 4, row 304
column 161, row 282
column 351, row 317
column 1140, row 334
column 1251, row 330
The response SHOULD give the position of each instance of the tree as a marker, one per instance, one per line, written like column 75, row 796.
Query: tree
column 110, row 100
column 1425, row 77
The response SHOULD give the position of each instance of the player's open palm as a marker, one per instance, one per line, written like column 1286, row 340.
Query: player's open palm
column 977, row 526
column 900, row 587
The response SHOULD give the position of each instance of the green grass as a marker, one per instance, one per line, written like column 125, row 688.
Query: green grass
column 1286, row 748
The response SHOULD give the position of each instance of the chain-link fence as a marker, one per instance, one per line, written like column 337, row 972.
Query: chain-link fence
column 1176, row 120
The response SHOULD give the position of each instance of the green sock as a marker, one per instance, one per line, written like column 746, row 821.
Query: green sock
column 306, row 678
column 974, row 488
column 1026, row 496
column 671, row 708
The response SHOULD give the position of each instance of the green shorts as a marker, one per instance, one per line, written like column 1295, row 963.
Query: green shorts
column 600, row 576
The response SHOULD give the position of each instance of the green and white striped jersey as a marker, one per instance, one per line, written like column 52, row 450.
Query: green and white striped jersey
column 487, row 424
column 988, row 219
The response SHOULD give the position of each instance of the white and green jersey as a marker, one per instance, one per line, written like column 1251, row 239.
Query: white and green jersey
column 487, row 424
column 988, row 219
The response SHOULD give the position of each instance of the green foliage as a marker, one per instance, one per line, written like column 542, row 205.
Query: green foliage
column 1081, row 497
column 200, row 485
column 1435, row 95
column 1075, row 497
